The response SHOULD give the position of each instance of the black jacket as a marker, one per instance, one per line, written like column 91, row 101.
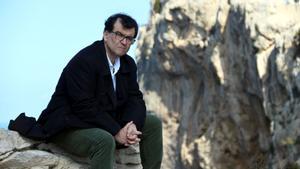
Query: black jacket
column 84, row 97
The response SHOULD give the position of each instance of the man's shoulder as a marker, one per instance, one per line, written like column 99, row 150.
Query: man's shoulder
column 87, row 57
column 91, row 51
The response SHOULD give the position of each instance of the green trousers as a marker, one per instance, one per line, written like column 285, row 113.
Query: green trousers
column 99, row 145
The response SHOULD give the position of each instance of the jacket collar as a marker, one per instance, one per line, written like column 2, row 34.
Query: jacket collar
column 101, row 53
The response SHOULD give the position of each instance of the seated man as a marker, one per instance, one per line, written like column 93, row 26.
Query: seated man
column 97, row 105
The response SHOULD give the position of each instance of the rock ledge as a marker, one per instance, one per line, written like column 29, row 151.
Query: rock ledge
column 17, row 152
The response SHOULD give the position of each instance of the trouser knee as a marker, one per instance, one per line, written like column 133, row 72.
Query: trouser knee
column 105, row 145
column 154, row 122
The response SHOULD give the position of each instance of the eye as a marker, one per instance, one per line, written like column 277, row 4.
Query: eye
column 119, row 34
column 129, row 38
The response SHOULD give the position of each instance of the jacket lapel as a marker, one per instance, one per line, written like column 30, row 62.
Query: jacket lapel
column 121, row 76
column 104, row 70
column 110, row 90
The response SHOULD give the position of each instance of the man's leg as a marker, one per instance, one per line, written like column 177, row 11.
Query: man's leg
column 151, row 144
column 95, row 143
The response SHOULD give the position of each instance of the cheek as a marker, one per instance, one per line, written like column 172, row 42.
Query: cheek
column 112, row 44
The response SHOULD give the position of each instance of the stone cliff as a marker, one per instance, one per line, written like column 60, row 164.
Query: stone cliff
column 224, row 76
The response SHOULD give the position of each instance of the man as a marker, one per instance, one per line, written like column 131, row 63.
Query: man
column 97, row 105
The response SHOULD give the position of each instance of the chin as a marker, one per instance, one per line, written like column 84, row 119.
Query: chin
column 122, row 53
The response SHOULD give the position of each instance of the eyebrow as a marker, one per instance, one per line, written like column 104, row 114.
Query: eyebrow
column 124, row 34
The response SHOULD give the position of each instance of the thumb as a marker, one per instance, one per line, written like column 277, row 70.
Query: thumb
column 128, row 124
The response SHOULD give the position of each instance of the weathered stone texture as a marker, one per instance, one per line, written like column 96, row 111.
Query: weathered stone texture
column 17, row 152
column 225, row 78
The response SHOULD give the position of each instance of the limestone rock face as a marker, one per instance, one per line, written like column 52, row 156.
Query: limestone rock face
column 17, row 152
column 225, row 78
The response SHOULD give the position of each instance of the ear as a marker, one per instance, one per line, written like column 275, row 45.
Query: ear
column 105, row 35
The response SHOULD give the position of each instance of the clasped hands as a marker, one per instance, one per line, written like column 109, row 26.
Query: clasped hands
column 128, row 135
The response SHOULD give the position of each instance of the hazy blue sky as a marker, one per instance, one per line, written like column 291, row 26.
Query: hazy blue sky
column 38, row 38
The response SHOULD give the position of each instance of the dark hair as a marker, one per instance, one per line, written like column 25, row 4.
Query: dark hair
column 127, row 21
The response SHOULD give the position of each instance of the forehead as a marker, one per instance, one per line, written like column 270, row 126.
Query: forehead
column 120, row 28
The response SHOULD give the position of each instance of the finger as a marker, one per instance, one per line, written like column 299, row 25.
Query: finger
column 136, row 133
column 131, row 129
column 132, row 135
column 128, row 124
column 131, row 132
column 137, row 140
column 132, row 142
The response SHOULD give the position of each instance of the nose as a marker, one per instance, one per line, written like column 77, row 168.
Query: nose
column 125, row 41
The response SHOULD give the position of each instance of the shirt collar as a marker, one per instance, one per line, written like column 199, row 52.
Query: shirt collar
column 114, row 68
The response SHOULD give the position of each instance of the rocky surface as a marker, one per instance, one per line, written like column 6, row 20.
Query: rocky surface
column 17, row 152
column 225, row 78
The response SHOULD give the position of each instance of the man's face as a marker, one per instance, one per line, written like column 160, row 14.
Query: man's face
column 118, row 42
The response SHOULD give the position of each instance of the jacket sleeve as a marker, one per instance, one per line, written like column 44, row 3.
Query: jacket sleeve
column 134, row 109
column 80, row 83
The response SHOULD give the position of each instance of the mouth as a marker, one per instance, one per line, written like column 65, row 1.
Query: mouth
column 122, row 48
